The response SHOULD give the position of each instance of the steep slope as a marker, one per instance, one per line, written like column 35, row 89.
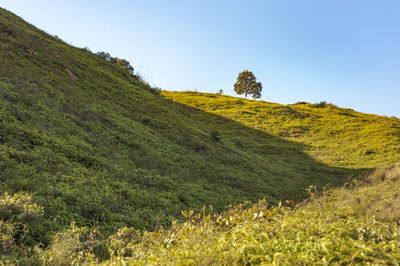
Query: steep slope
column 96, row 146
column 336, row 136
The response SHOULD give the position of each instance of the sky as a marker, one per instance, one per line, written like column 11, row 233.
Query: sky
column 346, row 52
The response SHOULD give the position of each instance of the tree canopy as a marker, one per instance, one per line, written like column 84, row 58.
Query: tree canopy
column 247, row 83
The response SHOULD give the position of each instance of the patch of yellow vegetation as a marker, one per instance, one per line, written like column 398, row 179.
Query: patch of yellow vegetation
column 335, row 136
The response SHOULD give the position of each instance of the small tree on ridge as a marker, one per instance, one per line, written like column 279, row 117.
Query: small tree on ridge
column 247, row 83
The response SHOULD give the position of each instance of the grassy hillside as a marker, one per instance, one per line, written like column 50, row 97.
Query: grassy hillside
column 96, row 146
column 84, row 141
column 335, row 136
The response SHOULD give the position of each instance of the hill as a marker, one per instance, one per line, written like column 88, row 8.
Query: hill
column 335, row 136
column 101, row 147
column 85, row 141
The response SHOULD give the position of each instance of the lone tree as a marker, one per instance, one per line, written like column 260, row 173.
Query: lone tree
column 247, row 83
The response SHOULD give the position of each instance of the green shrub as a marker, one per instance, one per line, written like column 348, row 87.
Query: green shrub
column 19, row 208
column 17, row 214
column 75, row 245
column 215, row 136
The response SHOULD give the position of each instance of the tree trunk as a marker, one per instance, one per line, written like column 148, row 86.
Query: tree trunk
column 245, row 94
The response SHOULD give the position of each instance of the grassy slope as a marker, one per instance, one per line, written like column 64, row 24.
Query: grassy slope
column 358, row 224
column 105, row 149
column 354, row 224
column 335, row 136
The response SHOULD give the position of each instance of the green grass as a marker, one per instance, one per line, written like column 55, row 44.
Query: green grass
column 355, row 224
column 343, row 226
column 102, row 150
column 335, row 136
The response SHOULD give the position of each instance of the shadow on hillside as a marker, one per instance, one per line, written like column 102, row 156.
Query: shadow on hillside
column 277, row 169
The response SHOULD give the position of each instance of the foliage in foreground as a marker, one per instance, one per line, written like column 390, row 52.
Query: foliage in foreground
column 18, row 213
column 358, row 223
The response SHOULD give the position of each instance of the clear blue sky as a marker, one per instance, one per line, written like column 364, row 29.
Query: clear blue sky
column 342, row 51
